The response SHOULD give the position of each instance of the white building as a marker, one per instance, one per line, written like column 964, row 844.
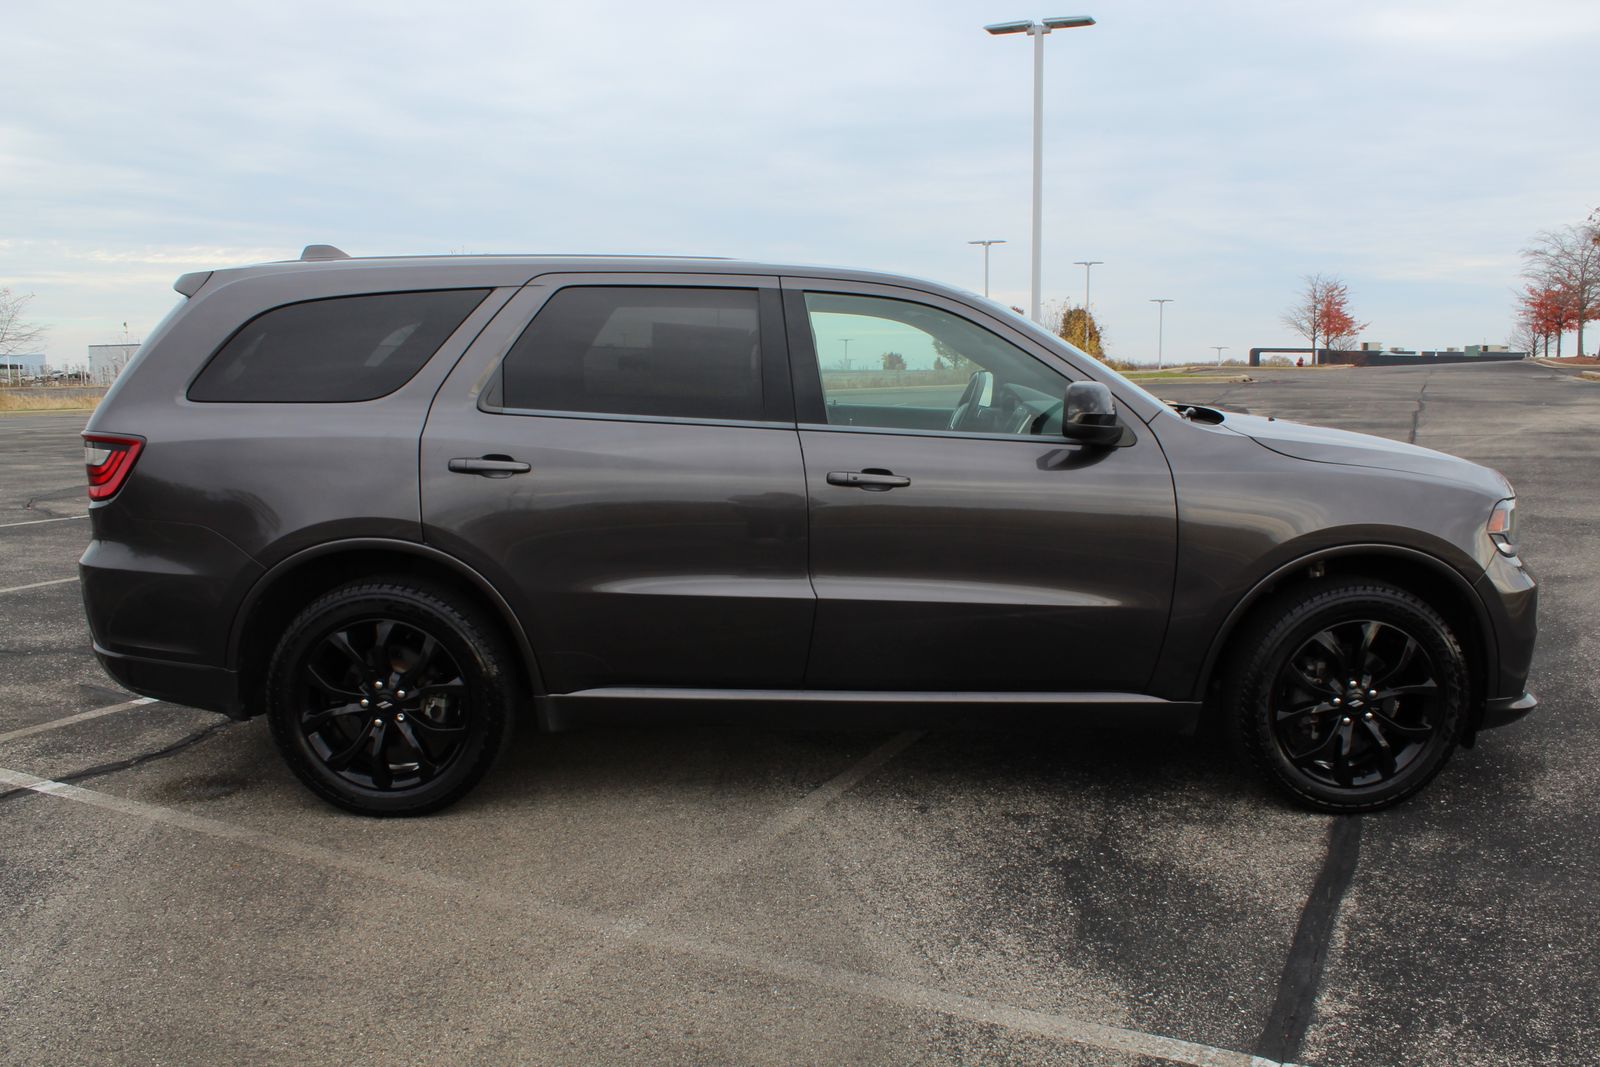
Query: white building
column 107, row 361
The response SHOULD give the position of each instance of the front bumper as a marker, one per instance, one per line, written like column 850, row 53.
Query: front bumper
column 191, row 684
column 1505, row 710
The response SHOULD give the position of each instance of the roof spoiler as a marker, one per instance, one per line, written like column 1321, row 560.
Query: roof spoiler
column 190, row 284
column 316, row 252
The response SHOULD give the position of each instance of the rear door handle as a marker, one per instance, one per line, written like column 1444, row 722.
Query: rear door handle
column 489, row 466
column 873, row 479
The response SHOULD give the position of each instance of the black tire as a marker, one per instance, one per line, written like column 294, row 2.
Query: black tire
column 345, row 720
column 1333, row 746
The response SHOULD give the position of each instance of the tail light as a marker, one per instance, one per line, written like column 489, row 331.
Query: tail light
column 109, row 458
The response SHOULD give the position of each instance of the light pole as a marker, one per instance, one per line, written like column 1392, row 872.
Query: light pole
column 986, row 244
column 1086, row 264
column 1037, row 30
column 1220, row 349
column 1161, row 303
column 846, row 341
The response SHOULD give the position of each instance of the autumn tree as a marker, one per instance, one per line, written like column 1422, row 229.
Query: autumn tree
column 894, row 361
column 1321, row 314
column 1543, row 313
column 1566, row 262
column 17, row 334
column 1077, row 326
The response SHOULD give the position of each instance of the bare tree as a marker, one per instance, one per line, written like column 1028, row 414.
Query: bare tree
column 16, row 333
column 1322, row 312
column 1568, row 261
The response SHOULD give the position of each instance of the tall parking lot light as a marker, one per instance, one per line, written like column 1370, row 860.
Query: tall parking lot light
column 1037, row 30
column 1161, row 303
column 986, row 244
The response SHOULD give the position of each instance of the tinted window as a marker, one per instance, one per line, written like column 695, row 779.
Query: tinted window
column 639, row 350
column 337, row 350
column 895, row 364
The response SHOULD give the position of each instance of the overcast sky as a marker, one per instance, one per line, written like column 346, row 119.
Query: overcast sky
column 1209, row 152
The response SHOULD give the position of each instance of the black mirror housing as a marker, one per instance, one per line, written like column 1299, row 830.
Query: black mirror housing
column 1090, row 415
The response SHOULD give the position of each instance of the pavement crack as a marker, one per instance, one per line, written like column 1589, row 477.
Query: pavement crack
column 100, row 770
column 1296, row 1001
column 1416, row 416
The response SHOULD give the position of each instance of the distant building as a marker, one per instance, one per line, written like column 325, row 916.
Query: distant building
column 107, row 361
column 20, row 365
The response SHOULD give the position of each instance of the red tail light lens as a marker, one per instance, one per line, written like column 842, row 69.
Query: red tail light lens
column 109, row 457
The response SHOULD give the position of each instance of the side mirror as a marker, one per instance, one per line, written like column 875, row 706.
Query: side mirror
column 1090, row 415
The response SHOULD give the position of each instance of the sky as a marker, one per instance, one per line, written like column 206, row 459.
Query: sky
column 1211, row 153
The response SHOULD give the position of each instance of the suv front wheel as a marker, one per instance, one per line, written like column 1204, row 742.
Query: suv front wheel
column 1349, row 696
column 390, row 697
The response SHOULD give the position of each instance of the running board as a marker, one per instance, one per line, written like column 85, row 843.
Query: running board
column 873, row 709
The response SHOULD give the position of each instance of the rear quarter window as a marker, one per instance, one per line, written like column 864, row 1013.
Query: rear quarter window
column 335, row 350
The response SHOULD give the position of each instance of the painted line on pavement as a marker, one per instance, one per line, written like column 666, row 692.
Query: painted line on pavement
column 82, row 716
column 35, row 522
column 515, row 906
column 38, row 585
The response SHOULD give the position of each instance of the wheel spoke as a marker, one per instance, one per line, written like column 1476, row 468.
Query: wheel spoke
column 1315, row 752
column 1330, row 644
column 1299, row 675
column 1394, row 726
column 340, row 761
column 1341, row 757
column 436, row 729
column 425, row 657
column 340, row 640
column 1294, row 714
column 1369, row 634
column 1407, row 654
column 423, row 761
column 1429, row 686
column 1382, row 752
column 382, row 776
column 311, row 722
column 328, row 687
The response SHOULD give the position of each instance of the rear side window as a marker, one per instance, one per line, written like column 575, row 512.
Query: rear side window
column 337, row 350
column 640, row 350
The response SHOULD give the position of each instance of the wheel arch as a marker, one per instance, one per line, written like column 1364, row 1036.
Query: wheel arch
column 1446, row 589
column 293, row 582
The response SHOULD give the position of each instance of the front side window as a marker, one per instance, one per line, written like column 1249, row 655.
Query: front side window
column 337, row 350
column 680, row 352
column 895, row 364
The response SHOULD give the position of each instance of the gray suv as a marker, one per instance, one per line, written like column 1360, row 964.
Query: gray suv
column 397, row 505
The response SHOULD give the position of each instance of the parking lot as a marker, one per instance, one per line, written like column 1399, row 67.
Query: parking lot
column 169, row 894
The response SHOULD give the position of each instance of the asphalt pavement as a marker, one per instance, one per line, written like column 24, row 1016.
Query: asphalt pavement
column 169, row 894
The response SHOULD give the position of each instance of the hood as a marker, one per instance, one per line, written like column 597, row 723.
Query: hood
column 1320, row 445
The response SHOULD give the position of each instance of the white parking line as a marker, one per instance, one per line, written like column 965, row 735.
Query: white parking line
column 38, row 585
column 35, row 522
column 82, row 716
column 515, row 906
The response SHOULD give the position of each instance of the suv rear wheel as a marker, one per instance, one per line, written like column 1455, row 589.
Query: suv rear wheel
column 390, row 697
column 1350, row 697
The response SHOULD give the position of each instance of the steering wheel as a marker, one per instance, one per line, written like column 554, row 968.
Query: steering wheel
column 978, row 395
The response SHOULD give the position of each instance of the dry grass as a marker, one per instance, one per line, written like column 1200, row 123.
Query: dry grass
column 51, row 399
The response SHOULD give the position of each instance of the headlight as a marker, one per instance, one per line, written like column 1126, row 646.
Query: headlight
column 1502, row 527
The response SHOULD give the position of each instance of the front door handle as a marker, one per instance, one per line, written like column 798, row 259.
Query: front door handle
column 873, row 479
column 489, row 466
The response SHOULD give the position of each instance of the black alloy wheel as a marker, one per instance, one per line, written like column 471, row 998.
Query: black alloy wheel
column 390, row 698
column 1350, row 695
column 383, row 704
column 1356, row 704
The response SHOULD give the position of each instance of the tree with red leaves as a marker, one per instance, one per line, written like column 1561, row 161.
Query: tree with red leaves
column 1545, row 312
column 1566, row 262
column 1322, row 313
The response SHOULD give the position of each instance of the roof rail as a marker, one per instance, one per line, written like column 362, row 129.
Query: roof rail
column 316, row 252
